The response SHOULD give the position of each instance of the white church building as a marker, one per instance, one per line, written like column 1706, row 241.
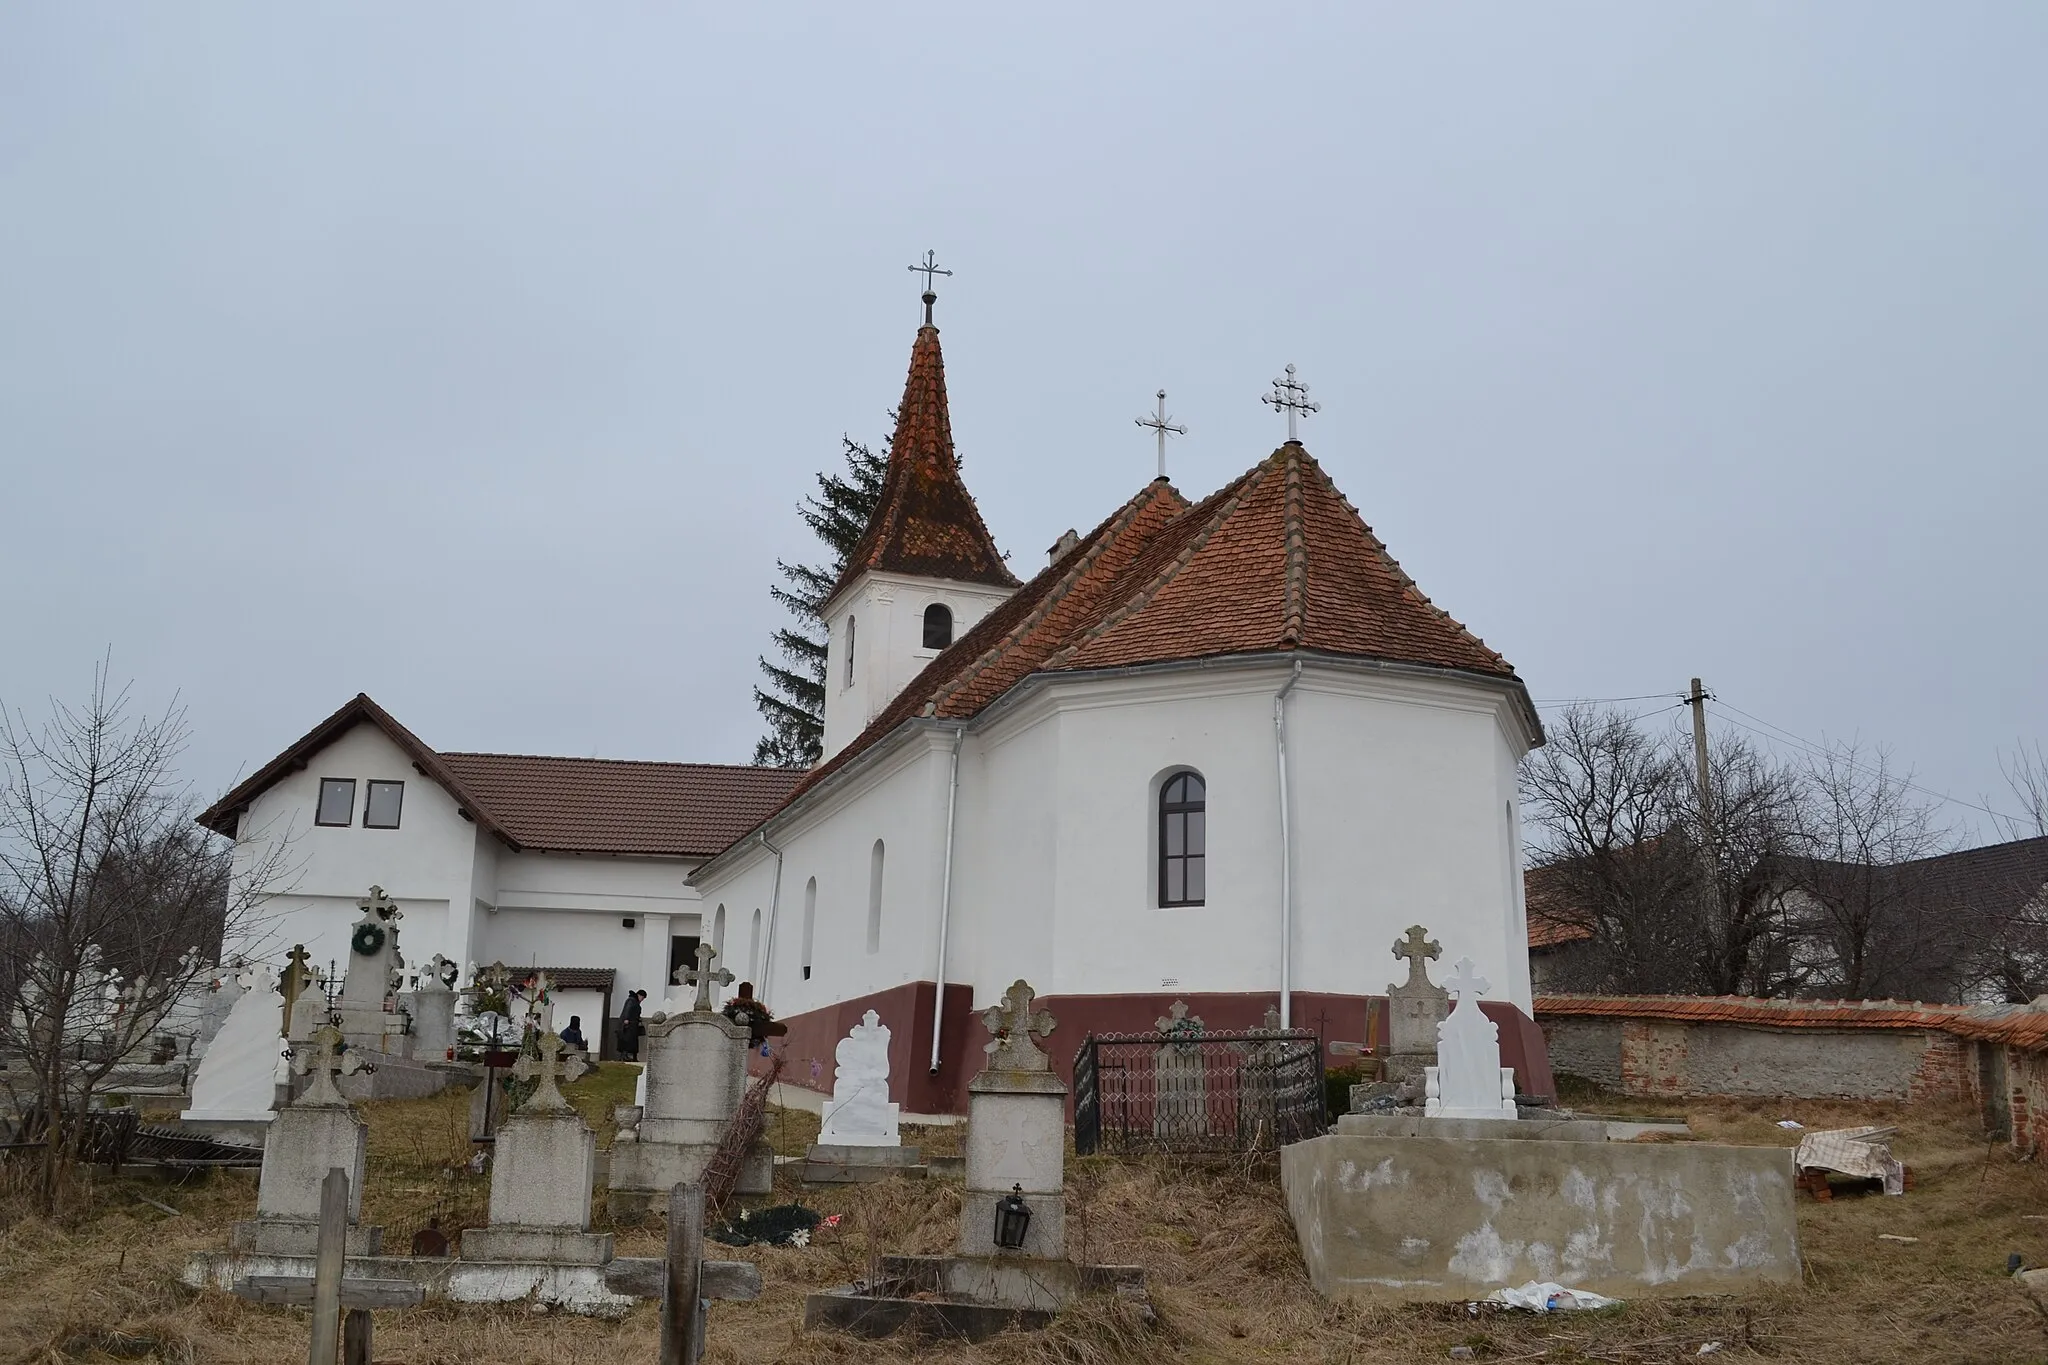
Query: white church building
column 1220, row 751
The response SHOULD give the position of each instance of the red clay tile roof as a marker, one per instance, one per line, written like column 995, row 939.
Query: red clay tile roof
column 1553, row 922
column 2020, row 1025
column 608, row 805
column 1276, row 560
column 568, row 805
column 925, row 521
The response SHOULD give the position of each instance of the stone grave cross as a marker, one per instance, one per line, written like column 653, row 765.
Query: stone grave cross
column 325, row 1061
column 701, row 976
column 292, row 981
column 1416, row 945
column 547, row 1068
column 1014, row 1025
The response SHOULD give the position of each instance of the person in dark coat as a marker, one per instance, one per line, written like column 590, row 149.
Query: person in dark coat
column 629, row 1026
column 572, row 1036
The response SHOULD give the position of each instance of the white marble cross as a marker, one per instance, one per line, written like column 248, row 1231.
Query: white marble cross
column 1014, row 1025
column 1468, row 1081
column 551, row 1065
column 325, row 1060
column 701, row 976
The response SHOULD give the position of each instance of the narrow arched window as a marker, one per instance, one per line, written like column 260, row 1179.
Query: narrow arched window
column 938, row 626
column 810, row 922
column 754, row 947
column 875, row 899
column 718, row 933
column 1183, row 840
column 851, row 623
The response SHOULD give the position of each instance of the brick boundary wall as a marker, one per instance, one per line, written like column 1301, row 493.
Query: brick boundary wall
column 1678, row 1046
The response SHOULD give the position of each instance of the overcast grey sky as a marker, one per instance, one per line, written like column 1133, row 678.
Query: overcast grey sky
column 473, row 355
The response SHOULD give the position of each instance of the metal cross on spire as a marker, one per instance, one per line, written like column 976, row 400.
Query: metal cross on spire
column 1291, row 395
column 929, row 269
column 1162, row 424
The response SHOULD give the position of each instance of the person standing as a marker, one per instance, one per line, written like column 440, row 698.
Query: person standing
column 630, row 1027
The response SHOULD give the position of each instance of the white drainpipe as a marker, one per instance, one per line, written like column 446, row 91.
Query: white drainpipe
column 945, row 905
column 774, row 904
column 1286, row 853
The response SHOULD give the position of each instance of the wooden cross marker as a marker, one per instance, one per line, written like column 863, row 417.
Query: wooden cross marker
column 547, row 1068
column 1014, row 1026
column 1416, row 945
column 701, row 976
column 325, row 1060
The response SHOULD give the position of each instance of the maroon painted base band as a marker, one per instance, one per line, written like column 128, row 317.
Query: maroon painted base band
column 907, row 1010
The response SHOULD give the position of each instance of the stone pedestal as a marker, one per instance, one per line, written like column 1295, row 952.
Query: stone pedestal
column 542, row 1170
column 433, row 1023
column 1016, row 1136
column 305, row 1141
column 696, row 1071
column 835, row 1164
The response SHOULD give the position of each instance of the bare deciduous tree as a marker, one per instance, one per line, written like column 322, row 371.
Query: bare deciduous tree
column 103, row 877
column 1868, row 925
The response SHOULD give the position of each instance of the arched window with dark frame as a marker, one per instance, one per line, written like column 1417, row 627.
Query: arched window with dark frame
column 938, row 626
column 1183, row 840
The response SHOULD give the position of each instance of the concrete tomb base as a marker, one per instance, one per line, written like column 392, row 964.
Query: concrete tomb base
column 642, row 1173
column 837, row 1164
column 550, row 1246
column 607, row 1290
column 1424, row 1218
column 1520, row 1130
column 971, row 1297
column 299, row 1237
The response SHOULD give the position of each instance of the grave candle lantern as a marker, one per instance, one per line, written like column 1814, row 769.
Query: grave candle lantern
column 1013, row 1219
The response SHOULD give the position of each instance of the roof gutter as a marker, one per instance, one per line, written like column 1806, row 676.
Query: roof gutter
column 1286, row 850
column 945, row 901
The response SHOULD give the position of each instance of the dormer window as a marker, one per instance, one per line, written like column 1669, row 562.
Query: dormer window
column 381, row 810
column 938, row 626
column 337, row 801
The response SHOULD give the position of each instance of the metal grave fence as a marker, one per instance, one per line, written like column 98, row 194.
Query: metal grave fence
column 1197, row 1092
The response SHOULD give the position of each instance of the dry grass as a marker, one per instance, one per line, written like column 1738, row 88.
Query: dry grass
column 1226, row 1279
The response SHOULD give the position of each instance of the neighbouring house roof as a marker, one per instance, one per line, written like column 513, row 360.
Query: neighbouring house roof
column 1276, row 561
column 925, row 521
column 566, row 805
column 579, row 978
column 2020, row 1025
column 1553, row 920
column 1997, row 879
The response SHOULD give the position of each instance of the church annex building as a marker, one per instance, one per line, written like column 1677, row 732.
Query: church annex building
column 1220, row 751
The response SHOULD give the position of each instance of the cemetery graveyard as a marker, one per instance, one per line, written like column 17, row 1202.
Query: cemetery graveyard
column 1196, row 1224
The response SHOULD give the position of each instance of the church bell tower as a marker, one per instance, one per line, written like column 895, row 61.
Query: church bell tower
column 924, row 571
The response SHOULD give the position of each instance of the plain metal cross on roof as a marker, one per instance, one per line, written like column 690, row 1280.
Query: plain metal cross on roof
column 1160, row 423
column 1291, row 396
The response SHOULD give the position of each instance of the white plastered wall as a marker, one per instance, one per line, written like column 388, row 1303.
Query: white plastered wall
column 888, row 642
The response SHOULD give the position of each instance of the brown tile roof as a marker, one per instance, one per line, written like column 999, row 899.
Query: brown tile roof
column 925, row 521
column 1553, row 920
column 609, row 805
column 2020, row 1025
column 568, row 805
column 1276, row 560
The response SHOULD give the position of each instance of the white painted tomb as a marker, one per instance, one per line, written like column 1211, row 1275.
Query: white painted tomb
column 1468, row 1081
column 860, row 1138
column 236, row 1089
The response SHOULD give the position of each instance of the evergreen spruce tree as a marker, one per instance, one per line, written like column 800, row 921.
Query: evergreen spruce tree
column 793, row 702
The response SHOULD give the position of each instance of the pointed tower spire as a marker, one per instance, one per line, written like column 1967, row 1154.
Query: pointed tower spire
column 925, row 522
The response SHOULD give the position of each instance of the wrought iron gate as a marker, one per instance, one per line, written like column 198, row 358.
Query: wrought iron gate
column 1207, row 1092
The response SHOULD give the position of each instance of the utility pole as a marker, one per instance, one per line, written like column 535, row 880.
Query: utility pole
column 1697, row 699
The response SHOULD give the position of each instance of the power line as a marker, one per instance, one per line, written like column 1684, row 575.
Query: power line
column 1600, row 701
column 1781, row 735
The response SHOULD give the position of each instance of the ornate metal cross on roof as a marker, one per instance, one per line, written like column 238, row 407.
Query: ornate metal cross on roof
column 324, row 1060
column 1162, row 424
column 701, row 976
column 1014, row 1025
column 1416, row 945
column 929, row 269
column 1291, row 395
column 547, row 1068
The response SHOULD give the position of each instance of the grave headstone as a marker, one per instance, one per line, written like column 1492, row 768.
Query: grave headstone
column 1016, row 1133
column 1468, row 1081
column 1180, row 1077
column 696, row 1072
column 1414, row 1008
column 309, row 1137
column 236, row 1088
column 543, row 1167
column 860, row 1138
column 367, row 1007
column 432, row 1010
